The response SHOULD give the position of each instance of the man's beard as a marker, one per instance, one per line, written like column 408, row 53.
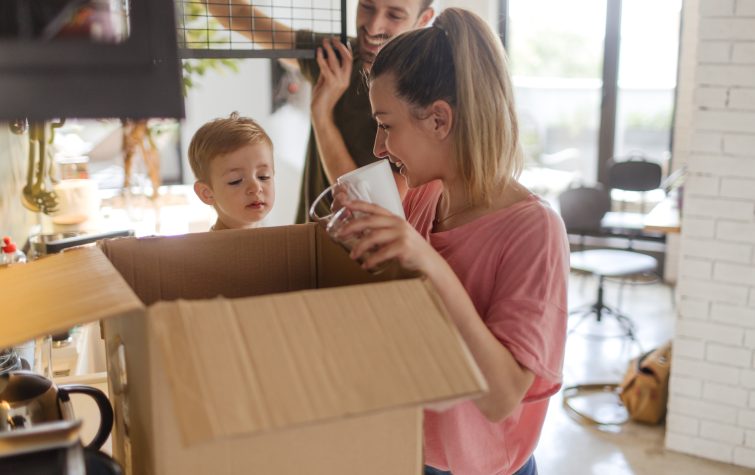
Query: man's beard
column 368, row 57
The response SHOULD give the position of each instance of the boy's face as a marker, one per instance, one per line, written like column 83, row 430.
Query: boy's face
column 380, row 20
column 241, row 186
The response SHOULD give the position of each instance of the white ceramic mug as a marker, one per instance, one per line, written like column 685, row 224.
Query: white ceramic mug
column 373, row 183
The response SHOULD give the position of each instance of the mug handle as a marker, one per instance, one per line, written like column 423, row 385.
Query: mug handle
column 103, row 404
column 313, row 209
column 346, row 186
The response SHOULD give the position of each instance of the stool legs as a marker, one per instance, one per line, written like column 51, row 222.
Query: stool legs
column 600, row 309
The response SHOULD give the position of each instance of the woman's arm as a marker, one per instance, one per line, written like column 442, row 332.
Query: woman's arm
column 508, row 382
column 391, row 237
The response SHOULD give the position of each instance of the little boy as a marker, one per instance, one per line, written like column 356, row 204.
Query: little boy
column 232, row 160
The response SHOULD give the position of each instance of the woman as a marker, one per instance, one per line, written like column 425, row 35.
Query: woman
column 497, row 255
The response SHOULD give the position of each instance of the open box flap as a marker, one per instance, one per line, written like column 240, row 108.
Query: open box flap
column 231, row 263
column 237, row 263
column 239, row 367
column 60, row 291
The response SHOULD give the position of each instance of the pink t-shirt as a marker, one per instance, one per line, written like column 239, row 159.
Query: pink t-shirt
column 514, row 263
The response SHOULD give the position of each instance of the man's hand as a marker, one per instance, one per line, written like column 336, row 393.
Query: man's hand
column 335, row 76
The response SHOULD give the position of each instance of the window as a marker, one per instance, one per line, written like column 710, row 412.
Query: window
column 556, row 54
column 593, row 79
column 647, row 77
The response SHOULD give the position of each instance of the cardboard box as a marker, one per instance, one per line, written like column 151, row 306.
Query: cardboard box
column 262, row 351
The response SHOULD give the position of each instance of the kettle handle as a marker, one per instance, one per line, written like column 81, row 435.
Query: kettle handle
column 103, row 404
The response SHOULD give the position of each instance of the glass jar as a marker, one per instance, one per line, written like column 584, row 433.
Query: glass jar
column 72, row 168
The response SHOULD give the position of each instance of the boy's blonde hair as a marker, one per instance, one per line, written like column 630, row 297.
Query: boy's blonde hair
column 461, row 61
column 222, row 136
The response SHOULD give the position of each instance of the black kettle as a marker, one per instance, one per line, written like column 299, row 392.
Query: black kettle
column 28, row 399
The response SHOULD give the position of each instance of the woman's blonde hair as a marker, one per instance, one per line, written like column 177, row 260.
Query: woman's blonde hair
column 461, row 61
column 220, row 137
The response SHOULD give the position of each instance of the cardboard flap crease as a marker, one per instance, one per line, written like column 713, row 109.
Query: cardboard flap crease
column 59, row 292
column 304, row 357
column 206, row 265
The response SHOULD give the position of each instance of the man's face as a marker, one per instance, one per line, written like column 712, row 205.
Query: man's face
column 380, row 20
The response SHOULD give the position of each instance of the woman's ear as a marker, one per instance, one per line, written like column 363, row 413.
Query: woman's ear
column 204, row 192
column 442, row 116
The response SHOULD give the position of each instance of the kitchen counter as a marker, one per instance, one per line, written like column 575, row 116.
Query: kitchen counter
column 177, row 210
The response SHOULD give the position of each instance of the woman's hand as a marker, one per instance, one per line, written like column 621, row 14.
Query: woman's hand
column 340, row 196
column 335, row 76
column 384, row 236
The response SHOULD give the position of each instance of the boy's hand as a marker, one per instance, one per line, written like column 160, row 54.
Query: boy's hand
column 335, row 76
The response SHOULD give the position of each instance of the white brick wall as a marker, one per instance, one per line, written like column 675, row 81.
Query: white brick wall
column 699, row 227
column 725, row 166
column 725, row 28
column 745, row 8
column 742, row 53
column 716, row 52
column 742, row 99
column 688, row 386
column 722, row 432
column 693, row 309
column 738, row 188
column 721, row 8
column 732, row 315
column 708, row 142
column 712, row 97
column 691, row 368
column 712, row 394
column 736, row 231
column 746, row 419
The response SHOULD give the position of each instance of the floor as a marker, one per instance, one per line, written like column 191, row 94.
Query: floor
column 569, row 447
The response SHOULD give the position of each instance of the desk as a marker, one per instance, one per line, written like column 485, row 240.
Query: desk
column 623, row 221
column 664, row 217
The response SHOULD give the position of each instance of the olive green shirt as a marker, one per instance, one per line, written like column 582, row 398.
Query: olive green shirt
column 353, row 118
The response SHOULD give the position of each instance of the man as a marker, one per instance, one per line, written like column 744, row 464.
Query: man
column 343, row 130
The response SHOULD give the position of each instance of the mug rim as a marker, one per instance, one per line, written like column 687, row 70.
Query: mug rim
column 362, row 169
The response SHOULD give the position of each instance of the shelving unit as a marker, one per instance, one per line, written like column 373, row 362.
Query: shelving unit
column 200, row 35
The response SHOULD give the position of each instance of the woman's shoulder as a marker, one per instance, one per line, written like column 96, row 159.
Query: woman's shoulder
column 529, row 210
column 536, row 208
column 530, row 220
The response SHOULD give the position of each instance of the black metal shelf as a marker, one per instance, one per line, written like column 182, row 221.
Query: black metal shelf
column 200, row 35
